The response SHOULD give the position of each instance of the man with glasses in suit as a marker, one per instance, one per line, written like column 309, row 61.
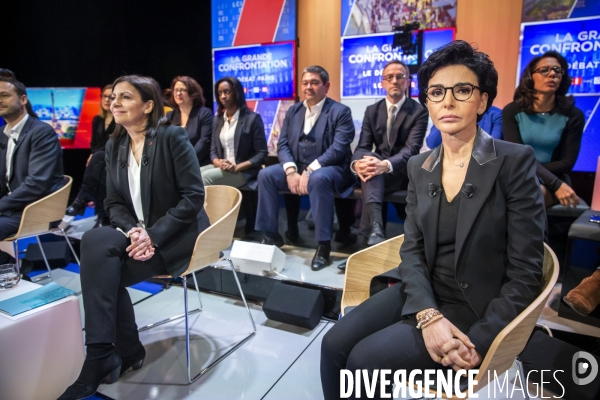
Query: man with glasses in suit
column 393, row 130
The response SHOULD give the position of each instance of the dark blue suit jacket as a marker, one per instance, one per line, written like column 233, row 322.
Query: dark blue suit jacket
column 334, row 131
column 37, row 167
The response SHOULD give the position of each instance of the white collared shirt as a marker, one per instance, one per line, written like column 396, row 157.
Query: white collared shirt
column 310, row 119
column 227, row 136
column 135, row 186
column 13, row 136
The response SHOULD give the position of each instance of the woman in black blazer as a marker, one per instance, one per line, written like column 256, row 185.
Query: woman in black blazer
column 239, row 147
column 155, row 200
column 473, row 239
column 93, row 186
column 190, row 113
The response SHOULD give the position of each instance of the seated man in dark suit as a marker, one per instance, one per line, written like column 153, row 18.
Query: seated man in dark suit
column 396, row 127
column 314, row 153
column 30, row 158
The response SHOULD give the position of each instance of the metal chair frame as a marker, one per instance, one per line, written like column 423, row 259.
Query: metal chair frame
column 219, row 235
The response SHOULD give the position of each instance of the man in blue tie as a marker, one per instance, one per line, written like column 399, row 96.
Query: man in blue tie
column 314, row 158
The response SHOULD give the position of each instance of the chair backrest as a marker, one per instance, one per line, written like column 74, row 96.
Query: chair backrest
column 511, row 341
column 38, row 215
column 362, row 266
column 222, row 204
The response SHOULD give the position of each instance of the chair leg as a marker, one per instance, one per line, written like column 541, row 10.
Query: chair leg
column 40, row 277
column 174, row 317
column 16, row 250
column 70, row 246
column 235, row 347
column 237, row 281
column 521, row 373
column 187, row 330
column 197, row 291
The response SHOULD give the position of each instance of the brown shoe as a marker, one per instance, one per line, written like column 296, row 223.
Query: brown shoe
column 586, row 296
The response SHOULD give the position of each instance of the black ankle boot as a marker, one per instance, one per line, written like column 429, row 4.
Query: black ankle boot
column 134, row 360
column 102, row 364
column 76, row 208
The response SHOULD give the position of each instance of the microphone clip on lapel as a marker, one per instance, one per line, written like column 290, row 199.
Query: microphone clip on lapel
column 433, row 190
column 468, row 190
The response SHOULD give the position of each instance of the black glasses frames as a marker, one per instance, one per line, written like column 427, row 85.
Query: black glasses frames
column 460, row 91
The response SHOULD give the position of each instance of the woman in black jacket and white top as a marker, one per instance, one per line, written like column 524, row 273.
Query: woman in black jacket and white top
column 155, row 200
column 190, row 113
column 239, row 147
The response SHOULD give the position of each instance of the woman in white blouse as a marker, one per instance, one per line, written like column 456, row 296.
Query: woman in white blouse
column 239, row 147
column 155, row 200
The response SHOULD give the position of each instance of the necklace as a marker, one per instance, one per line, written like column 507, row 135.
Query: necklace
column 138, row 148
column 462, row 163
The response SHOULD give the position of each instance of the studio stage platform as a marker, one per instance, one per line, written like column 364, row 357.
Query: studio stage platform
column 280, row 362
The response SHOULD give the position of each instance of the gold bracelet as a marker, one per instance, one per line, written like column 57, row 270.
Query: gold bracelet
column 424, row 318
column 431, row 321
column 423, row 313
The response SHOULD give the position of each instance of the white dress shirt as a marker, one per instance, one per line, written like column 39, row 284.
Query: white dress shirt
column 227, row 136
column 388, row 104
column 310, row 119
column 13, row 136
column 135, row 188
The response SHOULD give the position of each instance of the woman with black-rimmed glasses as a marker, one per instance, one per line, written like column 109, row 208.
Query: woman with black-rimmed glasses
column 473, row 240
column 543, row 117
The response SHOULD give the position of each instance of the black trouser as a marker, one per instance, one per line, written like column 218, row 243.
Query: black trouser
column 9, row 225
column 94, row 183
column 344, row 209
column 373, row 336
column 106, row 271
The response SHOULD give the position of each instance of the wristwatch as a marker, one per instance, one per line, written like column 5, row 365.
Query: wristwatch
column 308, row 172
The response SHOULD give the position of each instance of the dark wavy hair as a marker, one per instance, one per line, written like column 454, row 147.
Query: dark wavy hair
column 148, row 90
column 525, row 92
column 460, row 52
column 238, row 94
column 21, row 90
column 194, row 91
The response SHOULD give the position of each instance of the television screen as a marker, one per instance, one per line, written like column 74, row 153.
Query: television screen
column 434, row 39
column 578, row 40
column 234, row 22
column 69, row 111
column 266, row 71
column 364, row 17
column 363, row 59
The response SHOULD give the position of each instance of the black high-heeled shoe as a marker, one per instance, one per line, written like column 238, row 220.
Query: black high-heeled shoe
column 100, row 366
column 76, row 208
column 134, row 361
